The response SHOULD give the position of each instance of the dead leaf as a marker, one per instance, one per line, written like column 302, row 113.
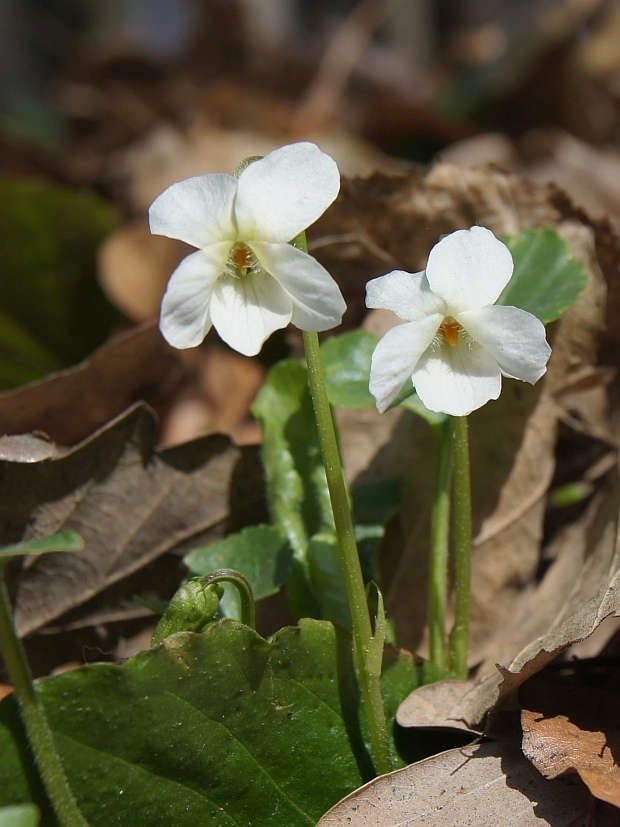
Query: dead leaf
column 492, row 691
column 481, row 786
column 572, row 727
column 71, row 404
column 130, row 504
column 430, row 706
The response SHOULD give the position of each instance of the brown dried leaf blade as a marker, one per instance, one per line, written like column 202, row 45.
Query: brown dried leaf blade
column 570, row 727
column 130, row 503
column 71, row 404
column 482, row 786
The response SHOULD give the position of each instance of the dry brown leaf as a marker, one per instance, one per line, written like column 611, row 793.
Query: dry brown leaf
column 430, row 706
column 571, row 727
column 129, row 503
column 588, row 174
column 479, row 786
column 71, row 404
column 491, row 692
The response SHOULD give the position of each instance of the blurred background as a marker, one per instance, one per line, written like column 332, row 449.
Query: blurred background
column 105, row 103
column 410, row 76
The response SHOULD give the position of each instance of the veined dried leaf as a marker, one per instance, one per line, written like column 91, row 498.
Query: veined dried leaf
column 481, row 785
column 572, row 727
column 130, row 504
column 70, row 405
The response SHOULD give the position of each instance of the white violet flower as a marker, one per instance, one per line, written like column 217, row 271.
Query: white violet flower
column 456, row 343
column 246, row 279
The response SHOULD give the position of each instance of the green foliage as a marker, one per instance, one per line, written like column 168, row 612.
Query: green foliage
column 346, row 361
column 299, row 498
column 21, row 815
column 296, row 484
column 52, row 312
column 260, row 553
column 216, row 728
column 546, row 279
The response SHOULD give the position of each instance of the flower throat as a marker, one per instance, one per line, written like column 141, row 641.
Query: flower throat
column 450, row 330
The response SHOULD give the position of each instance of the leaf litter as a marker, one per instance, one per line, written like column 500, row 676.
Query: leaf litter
column 130, row 503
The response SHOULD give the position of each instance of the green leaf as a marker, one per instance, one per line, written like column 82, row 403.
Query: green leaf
column 327, row 576
column 298, row 491
column 346, row 362
column 374, row 504
column 20, row 815
column 52, row 312
column 296, row 483
column 220, row 728
column 546, row 279
column 260, row 553
column 65, row 540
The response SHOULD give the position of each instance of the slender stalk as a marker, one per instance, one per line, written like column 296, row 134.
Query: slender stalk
column 368, row 677
column 440, row 536
column 459, row 638
column 35, row 720
column 244, row 590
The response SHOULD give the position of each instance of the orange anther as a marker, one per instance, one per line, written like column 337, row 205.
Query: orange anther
column 450, row 331
column 242, row 258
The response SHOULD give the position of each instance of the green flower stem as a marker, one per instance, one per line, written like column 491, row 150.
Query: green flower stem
column 244, row 590
column 35, row 720
column 440, row 536
column 367, row 675
column 459, row 638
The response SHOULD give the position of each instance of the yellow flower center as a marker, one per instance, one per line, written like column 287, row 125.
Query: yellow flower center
column 450, row 330
column 242, row 258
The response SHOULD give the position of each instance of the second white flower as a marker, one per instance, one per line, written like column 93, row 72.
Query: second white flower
column 456, row 343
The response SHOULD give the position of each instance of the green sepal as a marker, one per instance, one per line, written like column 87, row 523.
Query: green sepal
column 193, row 607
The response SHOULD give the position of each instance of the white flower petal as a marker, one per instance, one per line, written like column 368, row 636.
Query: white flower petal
column 198, row 211
column 285, row 192
column 396, row 356
column 247, row 310
column 469, row 269
column 457, row 380
column 515, row 337
column 317, row 301
column 406, row 294
column 185, row 319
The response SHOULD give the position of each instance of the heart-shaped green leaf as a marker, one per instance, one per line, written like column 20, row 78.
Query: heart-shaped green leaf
column 220, row 728
column 546, row 279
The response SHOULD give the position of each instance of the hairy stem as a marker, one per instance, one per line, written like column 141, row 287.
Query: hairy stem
column 368, row 677
column 35, row 720
column 440, row 537
column 459, row 638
